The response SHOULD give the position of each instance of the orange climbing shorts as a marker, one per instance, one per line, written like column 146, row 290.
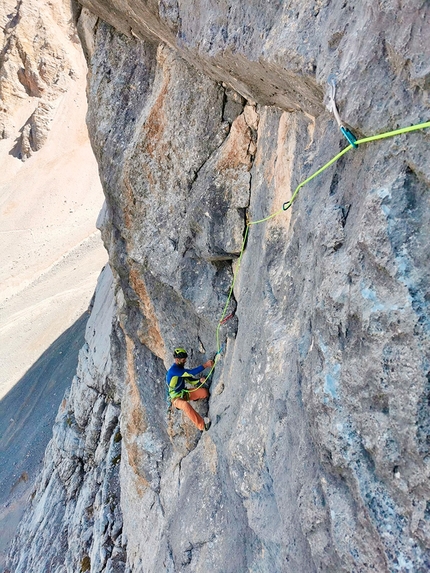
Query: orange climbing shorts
column 188, row 410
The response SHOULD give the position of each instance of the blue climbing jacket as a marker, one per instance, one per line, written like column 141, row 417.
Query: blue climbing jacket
column 176, row 378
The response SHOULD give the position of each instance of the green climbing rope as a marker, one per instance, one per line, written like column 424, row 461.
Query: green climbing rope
column 288, row 204
column 393, row 133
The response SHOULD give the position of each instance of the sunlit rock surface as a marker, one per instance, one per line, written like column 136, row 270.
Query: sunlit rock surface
column 50, row 249
column 204, row 118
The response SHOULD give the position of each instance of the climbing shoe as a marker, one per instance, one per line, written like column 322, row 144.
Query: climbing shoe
column 207, row 425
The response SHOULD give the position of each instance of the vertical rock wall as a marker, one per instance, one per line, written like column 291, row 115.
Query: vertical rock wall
column 317, row 458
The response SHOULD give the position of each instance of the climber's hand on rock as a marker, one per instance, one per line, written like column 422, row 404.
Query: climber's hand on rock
column 208, row 364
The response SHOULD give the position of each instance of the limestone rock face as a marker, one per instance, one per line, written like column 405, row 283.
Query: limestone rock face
column 35, row 131
column 203, row 118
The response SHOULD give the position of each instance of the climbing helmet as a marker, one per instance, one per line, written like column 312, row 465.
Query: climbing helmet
column 180, row 353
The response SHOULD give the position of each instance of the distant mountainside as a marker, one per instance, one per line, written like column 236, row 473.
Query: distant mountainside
column 50, row 193
column 50, row 250
column 205, row 119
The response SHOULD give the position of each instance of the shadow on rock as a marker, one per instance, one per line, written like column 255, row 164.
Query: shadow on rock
column 27, row 414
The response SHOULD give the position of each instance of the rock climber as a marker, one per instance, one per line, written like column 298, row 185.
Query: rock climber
column 177, row 376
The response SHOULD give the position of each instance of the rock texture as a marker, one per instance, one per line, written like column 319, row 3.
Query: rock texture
column 34, row 64
column 78, row 490
column 50, row 250
column 27, row 414
column 203, row 117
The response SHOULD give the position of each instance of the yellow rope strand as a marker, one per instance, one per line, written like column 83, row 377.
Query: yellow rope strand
column 288, row 204
column 265, row 218
column 323, row 168
column 393, row 133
